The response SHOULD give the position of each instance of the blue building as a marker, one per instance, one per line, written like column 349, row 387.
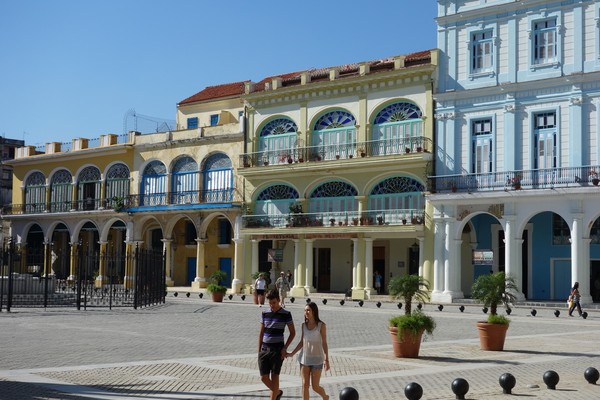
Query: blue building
column 517, row 157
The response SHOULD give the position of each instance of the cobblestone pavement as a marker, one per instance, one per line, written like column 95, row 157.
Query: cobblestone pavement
column 191, row 348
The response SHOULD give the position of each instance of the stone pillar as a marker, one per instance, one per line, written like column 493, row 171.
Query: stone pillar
column 512, row 263
column 421, row 255
column 200, row 279
column 308, row 286
column 438, row 263
column 580, row 266
column 168, row 251
column 101, row 265
column 368, row 266
column 299, row 268
column 452, row 265
column 255, row 250
column 73, row 262
column 238, row 266
column 358, row 289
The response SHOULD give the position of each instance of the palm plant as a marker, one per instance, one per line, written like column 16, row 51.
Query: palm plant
column 494, row 289
column 409, row 288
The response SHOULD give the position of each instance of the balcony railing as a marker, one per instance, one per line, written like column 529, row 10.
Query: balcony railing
column 123, row 203
column 374, row 148
column 335, row 219
column 518, row 180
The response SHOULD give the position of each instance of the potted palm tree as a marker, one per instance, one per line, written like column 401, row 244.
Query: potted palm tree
column 493, row 290
column 215, row 288
column 407, row 330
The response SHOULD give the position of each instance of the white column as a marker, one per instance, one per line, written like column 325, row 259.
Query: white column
column 255, row 244
column 238, row 265
column 167, row 250
column 421, row 254
column 512, row 263
column 452, row 265
column 438, row 263
column 368, row 265
column 355, row 264
column 309, row 266
column 200, row 279
column 580, row 267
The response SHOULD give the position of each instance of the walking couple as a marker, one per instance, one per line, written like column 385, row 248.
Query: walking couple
column 273, row 349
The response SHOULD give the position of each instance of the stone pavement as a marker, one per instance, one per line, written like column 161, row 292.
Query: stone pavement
column 191, row 348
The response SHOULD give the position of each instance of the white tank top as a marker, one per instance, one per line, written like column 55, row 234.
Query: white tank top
column 312, row 348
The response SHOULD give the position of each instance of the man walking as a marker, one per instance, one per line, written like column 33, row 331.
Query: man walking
column 272, row 348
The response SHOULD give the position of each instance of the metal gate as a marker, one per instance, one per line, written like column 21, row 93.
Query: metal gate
column 133, row 280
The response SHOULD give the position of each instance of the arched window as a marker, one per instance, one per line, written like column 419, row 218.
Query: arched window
column 217, row 179
column 397, row 128
column 154, row 184
column 396, row 199
column 275, row 201
column 334, row 136
column 334, row 200
column 60, row 191
column 278, row 141
column 184, row 185
column 117, row 185
column 35, row 193
column 88, row 189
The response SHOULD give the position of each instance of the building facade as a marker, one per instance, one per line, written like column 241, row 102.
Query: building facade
column 517, row 146
column 7, row 152
column 335, row 168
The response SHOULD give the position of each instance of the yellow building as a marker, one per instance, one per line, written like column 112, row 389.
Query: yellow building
column 336, row 166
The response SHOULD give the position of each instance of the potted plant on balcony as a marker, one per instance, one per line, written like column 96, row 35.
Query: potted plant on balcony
column 215, row 288
column 493, row 290
column 594, row 177
column 407, row 330
column 362, row 152
column 515, row 182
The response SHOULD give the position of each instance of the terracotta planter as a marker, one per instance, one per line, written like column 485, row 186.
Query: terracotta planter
column 217, row 297
column 492, row 336
column 408, row 345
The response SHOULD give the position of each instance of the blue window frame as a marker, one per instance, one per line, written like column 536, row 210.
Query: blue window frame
column 482, row 51
column 214, row 119
column 192, row 123
column 545, row 41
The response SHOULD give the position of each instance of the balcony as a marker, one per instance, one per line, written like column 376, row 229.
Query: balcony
column 138, row 203
column 345, row 151
column 336, row 219
column 518, row 180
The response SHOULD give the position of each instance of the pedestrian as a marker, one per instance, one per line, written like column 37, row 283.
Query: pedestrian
column 290, row 277
column 272, row 349
column 378, row 282
column 575, row 298
column 315, row 352
column 259, row 285
column 282, row 286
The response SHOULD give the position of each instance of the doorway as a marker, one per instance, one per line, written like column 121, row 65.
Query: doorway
column 324, row 268
column 379, row 265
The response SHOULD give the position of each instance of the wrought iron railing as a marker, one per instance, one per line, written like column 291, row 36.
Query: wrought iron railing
column 335, row 218
column 517, row 180
column 374, row 148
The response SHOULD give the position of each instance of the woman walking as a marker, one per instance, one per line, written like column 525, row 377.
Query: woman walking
column 575, row 298
column 260, row 285
column 315, row 352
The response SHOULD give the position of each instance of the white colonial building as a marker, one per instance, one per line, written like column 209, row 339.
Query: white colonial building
column 517, row 149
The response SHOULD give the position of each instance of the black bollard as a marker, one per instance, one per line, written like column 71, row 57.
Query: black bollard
column 361, row 303
column 584, row 315
column 419, row 306
column 348, row 393
column 201, row 295
column 413, row 391
column 292, row 299
column 462, row 308
column 556, row 313
column 324, row 301
column 243, row 297
column 507, row 382
column 591, row 375
column 533, row 312
column 230, row 297
column 342, row 302
column 175, row 294
column 508, row 310
column 551, row 379
column 308, row 300
column 187, row 294
column 485, row 310
column 440, row 307
column 378, row 304
column 460, row 387
column 399, row 305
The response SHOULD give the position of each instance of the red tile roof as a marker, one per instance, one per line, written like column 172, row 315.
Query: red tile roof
column 293, row 78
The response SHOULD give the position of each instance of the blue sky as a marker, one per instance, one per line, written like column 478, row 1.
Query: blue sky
column 73, row 68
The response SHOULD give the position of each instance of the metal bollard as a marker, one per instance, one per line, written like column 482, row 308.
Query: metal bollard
column 591, row 375
column 460, row 387
column 507, row 382
column 413, row 391
column 551, row 379
column 348, row 393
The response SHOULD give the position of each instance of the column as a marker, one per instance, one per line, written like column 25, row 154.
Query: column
column 451, row 263
column 101, row 265
column 168, row 251
column 512, row 265
column 421, row 255
column 128, row 280
column 368, row 265
column 238, row 266
column 200, row 279
column 308, row 286
column 358, row 289
column 73, row 262
column 255, row 244
column 299, row 268
column 438, row 263
column 47, row 260
column 580, row 267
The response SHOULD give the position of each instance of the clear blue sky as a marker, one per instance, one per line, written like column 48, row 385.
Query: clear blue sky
column 73, row 68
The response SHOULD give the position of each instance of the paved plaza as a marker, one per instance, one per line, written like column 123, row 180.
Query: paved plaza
column 191, row 348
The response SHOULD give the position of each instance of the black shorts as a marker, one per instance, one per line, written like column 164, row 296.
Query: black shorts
column 260, row 292
column 270, row 361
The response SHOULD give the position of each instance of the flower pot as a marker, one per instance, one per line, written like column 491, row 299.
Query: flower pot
column 217, row 297
column 517, row 186
column 362, row 154
column 408, row 345
column 492, row 336
column 290, row 160
column 595, row 181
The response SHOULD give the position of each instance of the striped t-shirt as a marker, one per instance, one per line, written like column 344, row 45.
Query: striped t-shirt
column 275, row 323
